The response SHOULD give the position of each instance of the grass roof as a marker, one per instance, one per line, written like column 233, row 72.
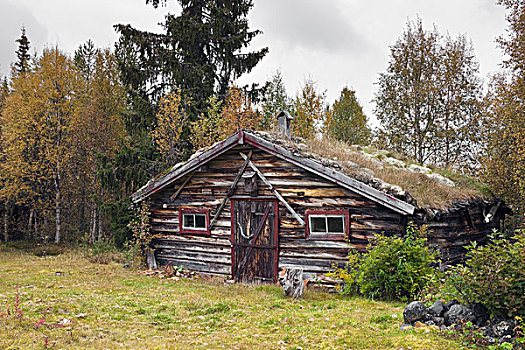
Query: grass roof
column 425, row 187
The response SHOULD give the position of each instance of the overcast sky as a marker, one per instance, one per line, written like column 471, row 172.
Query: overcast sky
column 336, row 42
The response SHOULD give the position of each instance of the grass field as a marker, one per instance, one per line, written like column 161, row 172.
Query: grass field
column 66, row 302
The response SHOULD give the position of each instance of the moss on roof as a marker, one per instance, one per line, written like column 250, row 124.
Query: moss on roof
column 424, row 187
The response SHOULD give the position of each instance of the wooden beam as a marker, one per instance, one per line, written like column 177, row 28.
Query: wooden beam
column 277, row 194
column 231, row 190
column 176, row 194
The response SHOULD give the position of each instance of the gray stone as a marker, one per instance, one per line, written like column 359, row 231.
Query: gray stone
column 438, row 320
column 406, row 327
column 419, row 169
column 481, row 312
column 458, row 314
column 503, row 328
column 441, row 179
column 448, row 305
column 505, row 339
column 437, row 309
column 349, row 164
column 395, row 162
column 415, row 311
column 430, row 323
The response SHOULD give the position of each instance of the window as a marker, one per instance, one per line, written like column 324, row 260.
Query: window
column 194, row 221
column 328, row 224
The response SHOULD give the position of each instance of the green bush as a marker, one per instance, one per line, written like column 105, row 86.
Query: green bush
column 394, row 267
column 494, row 275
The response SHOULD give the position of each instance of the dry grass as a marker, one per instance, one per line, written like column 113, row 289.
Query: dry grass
column 114, row 308
column 427, row 192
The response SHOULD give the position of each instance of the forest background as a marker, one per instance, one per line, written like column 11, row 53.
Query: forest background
column 79, row 133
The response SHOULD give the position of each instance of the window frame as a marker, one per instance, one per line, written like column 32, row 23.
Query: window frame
column 328, row 213
column 205, row 231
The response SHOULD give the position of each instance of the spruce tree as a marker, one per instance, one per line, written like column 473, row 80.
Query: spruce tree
column 22, row 54
column 346, row 121
column 199, row 53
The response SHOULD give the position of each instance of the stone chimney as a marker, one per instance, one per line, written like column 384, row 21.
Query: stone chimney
column 283, row 122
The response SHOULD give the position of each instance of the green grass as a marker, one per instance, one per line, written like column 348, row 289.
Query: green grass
column 111, row 307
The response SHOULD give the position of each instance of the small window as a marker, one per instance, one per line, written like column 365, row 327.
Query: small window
column 194, row 221
column 327, row 224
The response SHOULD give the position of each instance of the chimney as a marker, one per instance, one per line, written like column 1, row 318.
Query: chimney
column 283, row 122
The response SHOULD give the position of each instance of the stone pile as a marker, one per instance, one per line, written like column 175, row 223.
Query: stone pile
column 454, row 315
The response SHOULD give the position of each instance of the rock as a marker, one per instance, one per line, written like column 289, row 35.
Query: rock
column 505, row 339
column 367, row 171
column 349, row 164
column 490, row 340
column 448, row 305
column 481, row 312
column 430, row 323
column 441, row 179
column 437, row 309
column 406, row 327
column 419, row 324
column 457, row 314
column 503, row 328
column 395, row 162
column 415, row 311
column 419, row 169
column 440, row 321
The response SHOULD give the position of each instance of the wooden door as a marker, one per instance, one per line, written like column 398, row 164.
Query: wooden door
column 254, row 237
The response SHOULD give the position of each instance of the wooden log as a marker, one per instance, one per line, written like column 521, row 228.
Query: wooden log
column 172, row 198
column 277, row 194
column 232, row 188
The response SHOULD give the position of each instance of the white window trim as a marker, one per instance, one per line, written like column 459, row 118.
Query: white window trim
column 205, row 228
column 342, row 216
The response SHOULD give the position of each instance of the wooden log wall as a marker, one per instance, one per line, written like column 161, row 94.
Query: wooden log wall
column 452, row 231
column 303, row 191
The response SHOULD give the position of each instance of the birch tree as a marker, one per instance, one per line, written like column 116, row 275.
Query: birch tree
column 428, row 100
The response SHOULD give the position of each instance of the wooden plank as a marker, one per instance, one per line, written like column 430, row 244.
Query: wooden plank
column 176, row 194
column 254, row 239
column 277, row 194
column 232, row 188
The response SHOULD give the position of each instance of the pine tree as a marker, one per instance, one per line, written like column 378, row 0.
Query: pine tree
column 201, row 52
column 346, row 121
column 275, row 100
column 22, row 54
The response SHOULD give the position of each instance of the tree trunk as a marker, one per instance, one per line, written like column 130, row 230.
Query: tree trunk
column 6, row 223
column 292, row 282
column 30, row 221
column 93, row 224
column 99, row 225
column 58, row 204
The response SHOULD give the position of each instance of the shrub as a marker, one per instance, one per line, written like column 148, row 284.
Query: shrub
column 494, row 275
column 393, row 268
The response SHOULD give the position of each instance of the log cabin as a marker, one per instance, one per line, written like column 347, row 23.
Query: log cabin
column 258, row 202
